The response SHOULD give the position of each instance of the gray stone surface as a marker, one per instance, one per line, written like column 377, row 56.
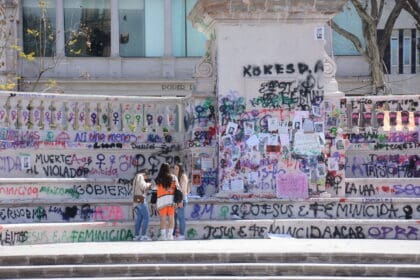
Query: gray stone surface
column 280, row 258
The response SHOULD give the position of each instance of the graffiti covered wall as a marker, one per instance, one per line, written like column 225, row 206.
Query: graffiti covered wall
column 81, row 137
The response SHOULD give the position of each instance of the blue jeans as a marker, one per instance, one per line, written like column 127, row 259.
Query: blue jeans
column 180, row 218
column 142, row 219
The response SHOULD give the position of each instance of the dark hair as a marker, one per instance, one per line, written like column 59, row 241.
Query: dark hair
column 181, row 170
column 143, row 171
column 164, row 176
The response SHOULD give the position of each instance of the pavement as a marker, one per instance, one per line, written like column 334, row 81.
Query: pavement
column 273, row 245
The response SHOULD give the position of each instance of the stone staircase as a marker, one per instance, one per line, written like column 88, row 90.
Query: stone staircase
column 278, row 258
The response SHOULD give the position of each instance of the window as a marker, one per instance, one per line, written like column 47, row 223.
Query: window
column 186, row 41
column 418, row 49
column 154, row 27
column 131, row 19
column 407, row 50
column 87, row 26
column 39, row 27
column 140, row 26
column 394, row 51
column 350, row 21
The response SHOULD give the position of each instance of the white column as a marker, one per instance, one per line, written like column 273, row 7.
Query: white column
column 59, row 22
column 115, row 29
column 168, row 28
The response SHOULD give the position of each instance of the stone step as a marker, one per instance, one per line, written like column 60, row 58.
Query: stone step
column 44, row 233
column 235, row 258
column 111, row 209
column 209, row 269
column 197, row 257
column 215, row 277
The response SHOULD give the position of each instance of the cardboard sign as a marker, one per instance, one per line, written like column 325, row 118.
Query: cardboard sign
column 292, row 185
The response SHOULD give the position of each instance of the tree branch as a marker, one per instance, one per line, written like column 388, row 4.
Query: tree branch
column 362, row 12
column 349, row 36
column 374, row 10
column 381, row 8
column 413, row 8
column 383, row 42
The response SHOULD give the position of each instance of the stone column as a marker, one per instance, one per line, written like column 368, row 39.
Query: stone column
column 60, row 42
column 271, row 83
column 8, row 57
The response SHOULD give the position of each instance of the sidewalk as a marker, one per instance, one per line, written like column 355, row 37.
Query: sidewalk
column 275, row 245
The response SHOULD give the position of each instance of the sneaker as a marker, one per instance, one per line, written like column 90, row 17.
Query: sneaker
column 170, row 237
column 180, row 237
column 136, row 238
column 162, row 238
column 145, row 238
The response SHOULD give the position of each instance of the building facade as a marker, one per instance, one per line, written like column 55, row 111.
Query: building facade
column 259, row 121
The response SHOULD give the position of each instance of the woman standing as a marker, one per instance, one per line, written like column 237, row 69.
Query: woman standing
column 141, row 209
column 166, row 184
column 180, row 210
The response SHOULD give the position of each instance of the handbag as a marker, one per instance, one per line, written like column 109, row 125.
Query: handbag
column 153, row 197
column 178, row 196
column 138, row 198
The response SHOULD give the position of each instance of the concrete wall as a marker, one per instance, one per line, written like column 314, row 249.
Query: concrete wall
column 266, row 89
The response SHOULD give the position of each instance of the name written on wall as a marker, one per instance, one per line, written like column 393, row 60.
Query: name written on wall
column 177, row 87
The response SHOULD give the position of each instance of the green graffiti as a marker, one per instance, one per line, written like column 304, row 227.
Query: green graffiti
column 50, row 136
column 40, row 213
column 192, row 233
column 59, row 191
column 94, row 235
column 224, row 211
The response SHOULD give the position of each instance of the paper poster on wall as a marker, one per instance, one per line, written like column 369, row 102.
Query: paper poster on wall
column 292, row 185
column 316, row 111
column 284, row 127
column 197, row 163
column 319, row 33
column 231, row 128
column 249, row 128
column 319, row 127
column 273, row 124
column 308, row 125
column 321, row 170
column 252, row 141
column 237, row 185
column 253, row 177
column 307, row 144
column 285, row 139
column 333, row 164
column 25, row 161
column 206, row 164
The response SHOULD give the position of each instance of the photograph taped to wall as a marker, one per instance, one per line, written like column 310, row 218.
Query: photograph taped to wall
column 197, row 163
column 319, row 33
column 25, row 161
column 273, row 124
column 285, row 139
column 227, row 141
column 196, row 179
column 249, row 128
column 207, row 164
column 308, row 125
column 321, row 170
column 231, row 128
column 319, row 127
column 316, row 111
column 339, row 144
column 284, row 126
column 327, row 106
column 252, row 141
column 333, row 164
